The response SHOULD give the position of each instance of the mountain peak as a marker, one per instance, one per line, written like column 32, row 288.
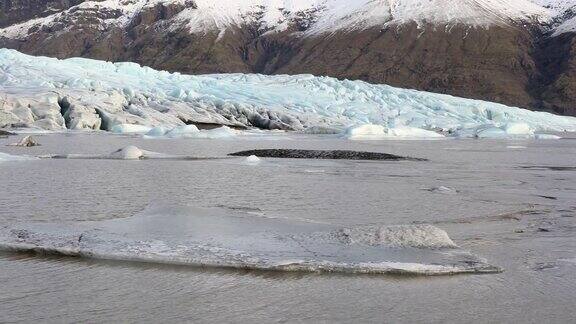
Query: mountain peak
column 315, row 16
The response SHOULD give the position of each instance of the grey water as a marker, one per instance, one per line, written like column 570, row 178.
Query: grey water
column 511, row 202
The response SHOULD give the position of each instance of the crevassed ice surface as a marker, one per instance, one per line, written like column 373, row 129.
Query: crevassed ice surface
column 88, row 94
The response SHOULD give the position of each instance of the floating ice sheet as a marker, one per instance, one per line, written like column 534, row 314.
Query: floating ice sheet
column 221, row 237
column 5, row 157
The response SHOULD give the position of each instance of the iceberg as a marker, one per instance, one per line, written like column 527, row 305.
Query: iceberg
column 220, row 237
column 88, row 94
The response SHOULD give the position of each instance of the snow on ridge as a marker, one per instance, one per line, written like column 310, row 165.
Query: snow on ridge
column 87, row 94
column 563, row 15
column 325, row 16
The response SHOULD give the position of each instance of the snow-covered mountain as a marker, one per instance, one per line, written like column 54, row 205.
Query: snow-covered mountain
column 86, row 94
column 516, row 52
column 317, row 16
column 563, row 15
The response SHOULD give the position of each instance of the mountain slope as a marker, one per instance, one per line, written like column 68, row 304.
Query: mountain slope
column 497, row 50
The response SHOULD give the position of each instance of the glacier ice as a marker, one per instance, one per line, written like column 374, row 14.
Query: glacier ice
column 219, row 237
column 47, row 93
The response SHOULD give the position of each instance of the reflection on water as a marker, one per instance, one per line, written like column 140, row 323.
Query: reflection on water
column 498, row 209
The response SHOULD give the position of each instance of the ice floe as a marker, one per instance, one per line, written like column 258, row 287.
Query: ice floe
column 219, row 237
column 129, row 152
column 5, row 157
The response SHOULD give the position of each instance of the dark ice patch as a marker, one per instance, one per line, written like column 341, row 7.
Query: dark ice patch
column 324, row 154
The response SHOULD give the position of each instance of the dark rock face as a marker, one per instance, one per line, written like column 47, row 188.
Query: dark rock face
column 323, row 155
column 490, row 64
column 554, row 88
column 514, row 65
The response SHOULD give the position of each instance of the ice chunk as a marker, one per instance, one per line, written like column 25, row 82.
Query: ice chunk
column 443, row 190
column 322, row 130
column 130, row 129
column 182, row 131
column 366, row 131
column 252, row 159
column 127, row 153
column 508, row 131
column 415, row 236
column 492, row 132
column 27, row 141
column 376, row 132
column 217, row 133
column 157, row 131
column 518, row 129
column 191, row 131
column 413, row 132
column 546, row 137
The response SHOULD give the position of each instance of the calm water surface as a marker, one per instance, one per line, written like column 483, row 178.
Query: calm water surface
column 509, row 203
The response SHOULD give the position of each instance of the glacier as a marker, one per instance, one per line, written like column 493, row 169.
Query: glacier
column 83, row 94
